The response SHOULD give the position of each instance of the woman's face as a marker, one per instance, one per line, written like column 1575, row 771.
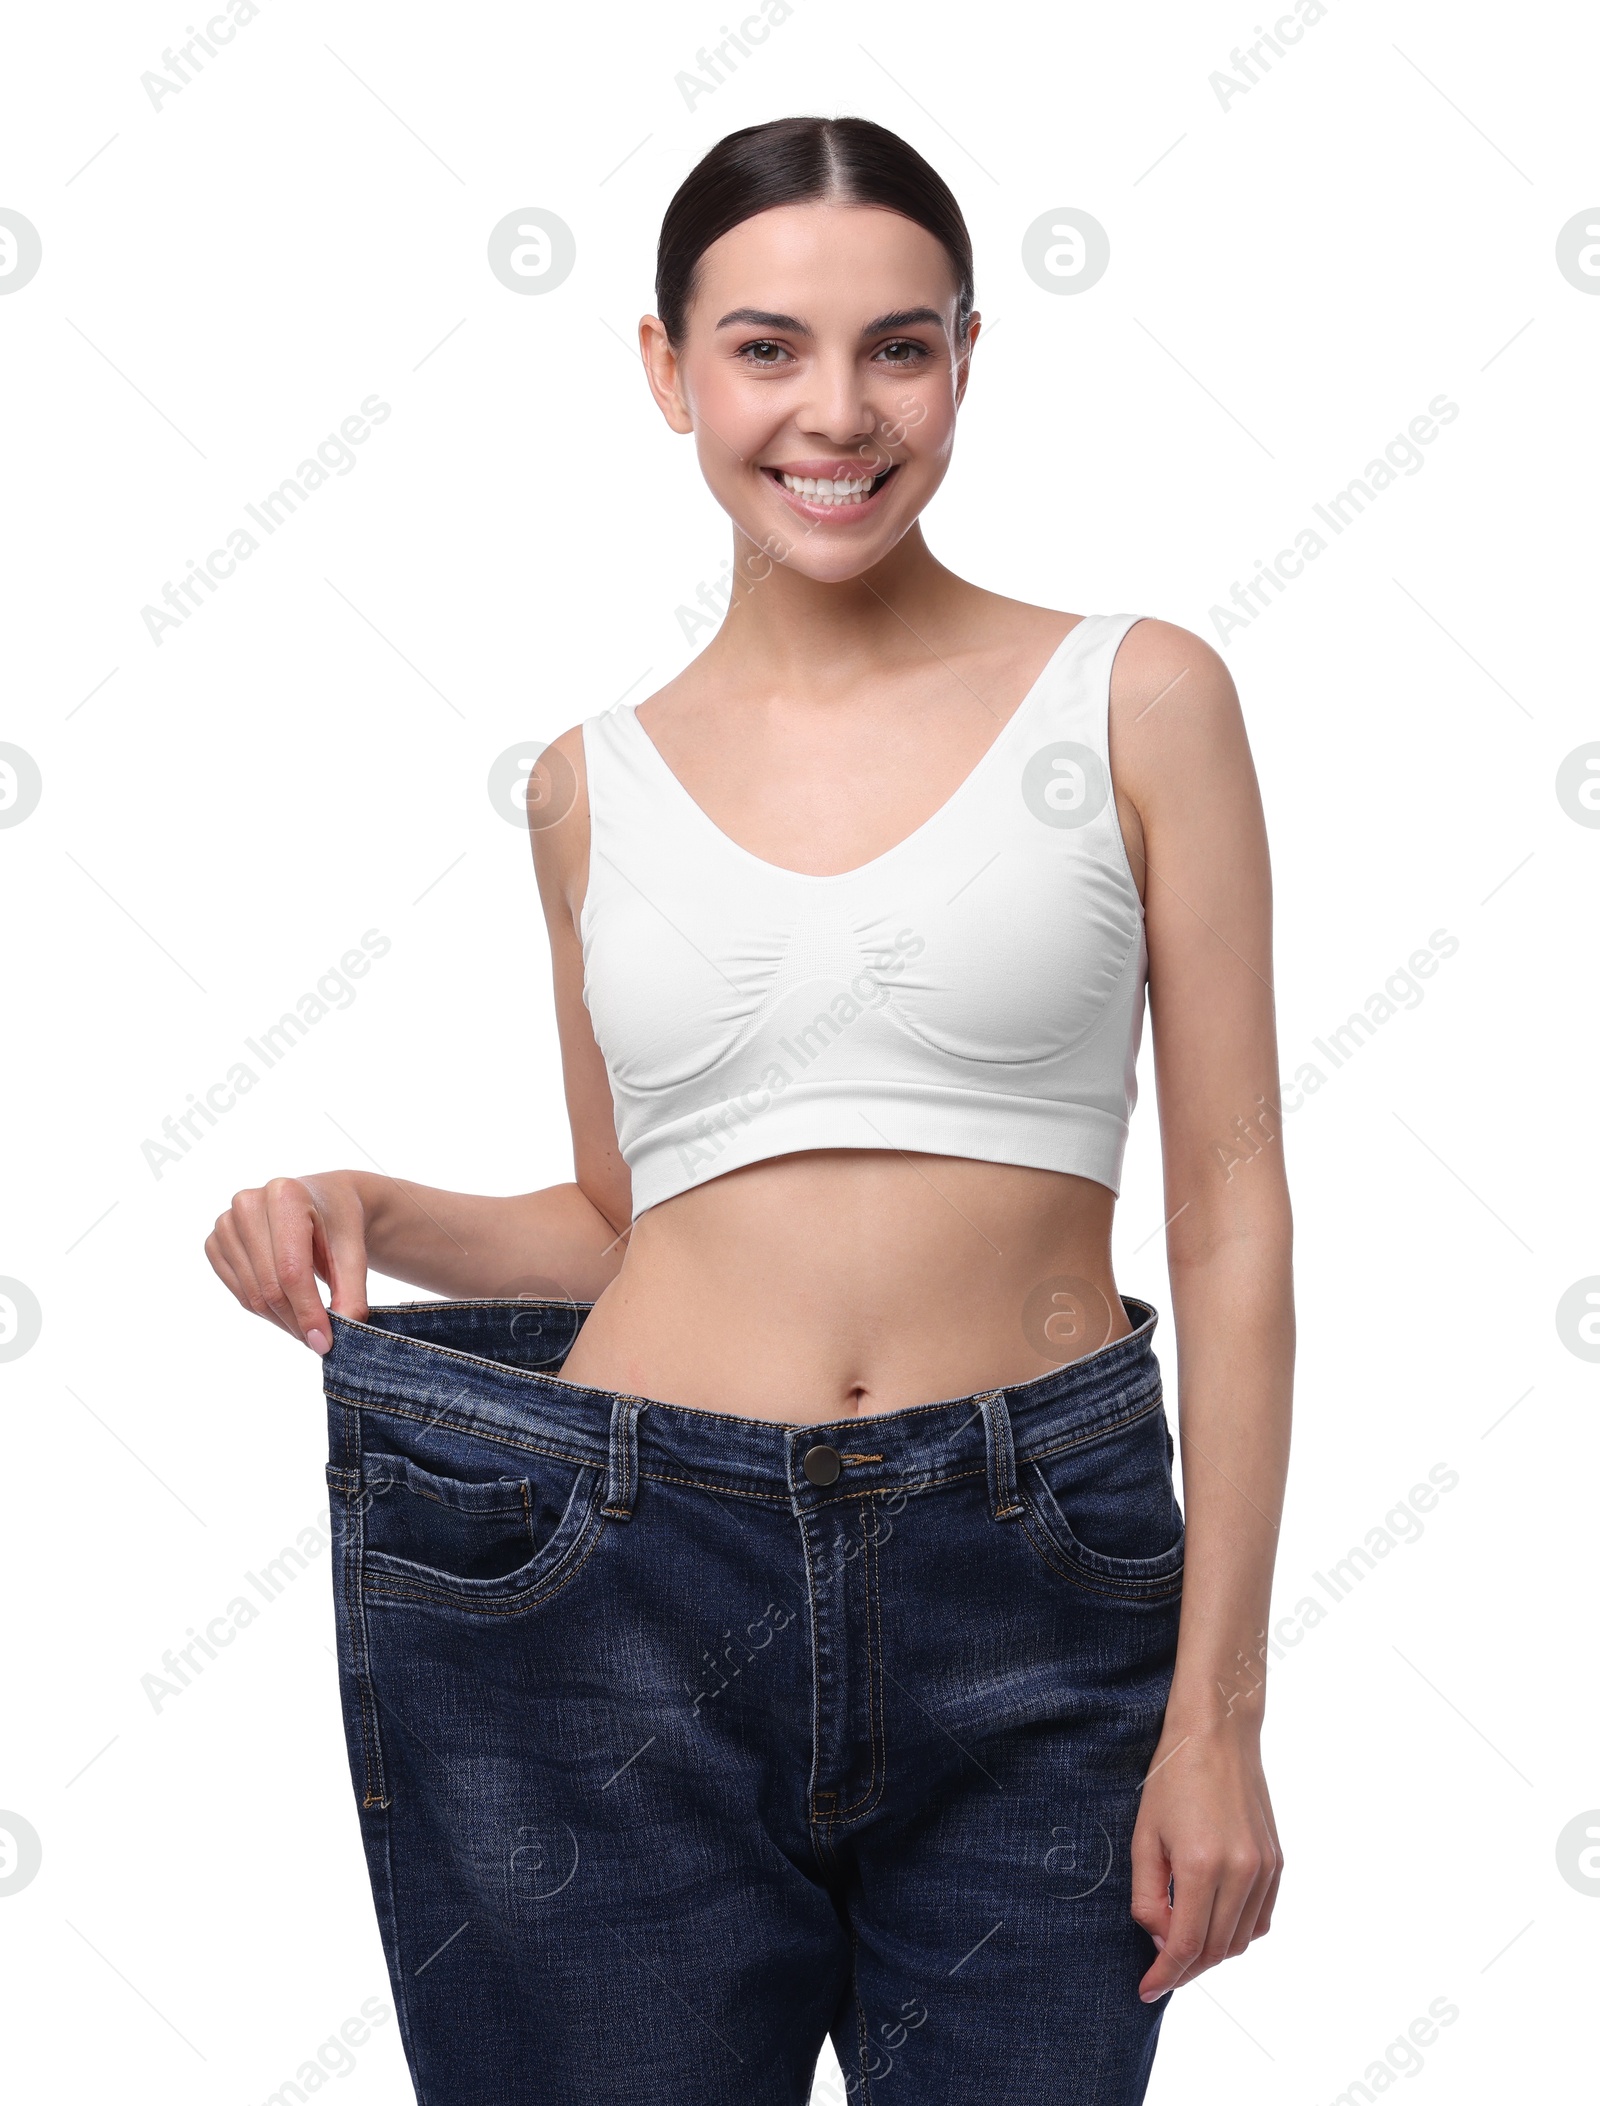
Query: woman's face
column 819, row 348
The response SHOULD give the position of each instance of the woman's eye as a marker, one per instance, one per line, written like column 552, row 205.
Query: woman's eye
column 903, row 351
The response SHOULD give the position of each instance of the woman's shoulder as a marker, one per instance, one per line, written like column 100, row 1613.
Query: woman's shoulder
column 1150, row 648
column 558, row 811
column 1154, row 648
column 1153, row 659
column 1173, row 713
column 1158, row 660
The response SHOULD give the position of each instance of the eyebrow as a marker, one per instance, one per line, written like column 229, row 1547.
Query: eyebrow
column 759, row 318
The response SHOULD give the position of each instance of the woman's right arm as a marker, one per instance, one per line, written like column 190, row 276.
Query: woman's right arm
column 276, row 1240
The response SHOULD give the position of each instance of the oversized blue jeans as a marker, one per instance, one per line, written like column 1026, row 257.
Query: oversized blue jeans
column 681, row 1740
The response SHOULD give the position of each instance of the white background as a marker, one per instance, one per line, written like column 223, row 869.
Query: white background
column 1292, row 279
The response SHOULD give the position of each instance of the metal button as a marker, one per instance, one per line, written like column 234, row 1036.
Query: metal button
column 821, row 1464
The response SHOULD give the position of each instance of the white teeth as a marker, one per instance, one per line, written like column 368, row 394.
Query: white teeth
column 823, row 490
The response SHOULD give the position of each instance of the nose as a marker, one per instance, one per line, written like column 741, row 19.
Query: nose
column 839, row 409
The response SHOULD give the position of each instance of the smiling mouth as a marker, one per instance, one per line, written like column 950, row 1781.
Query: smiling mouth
column 837, row 493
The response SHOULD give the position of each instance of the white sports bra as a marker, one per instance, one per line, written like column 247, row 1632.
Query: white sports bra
column 976, row 990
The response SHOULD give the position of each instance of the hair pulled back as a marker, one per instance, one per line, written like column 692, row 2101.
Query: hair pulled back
column 795, row 161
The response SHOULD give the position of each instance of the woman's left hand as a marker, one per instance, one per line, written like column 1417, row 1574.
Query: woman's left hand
column 1205, row 1823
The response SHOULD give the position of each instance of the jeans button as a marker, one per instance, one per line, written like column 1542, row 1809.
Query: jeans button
column 821, row 1464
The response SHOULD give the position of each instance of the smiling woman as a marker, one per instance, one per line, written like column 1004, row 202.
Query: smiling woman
column 851, row 927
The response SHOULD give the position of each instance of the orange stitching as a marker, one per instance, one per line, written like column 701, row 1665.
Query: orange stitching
column 506, row 1440
column 861, row 2015
column 917, row 1484
column 1112, row 1588
column 873, row 1622
column 371, row 1747
column 518, row 1605
column 726, row 1490
column 1095, row 1433
column 817, row 1815
column 588, row 1462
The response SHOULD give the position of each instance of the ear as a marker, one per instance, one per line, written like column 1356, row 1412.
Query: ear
column 661, row 370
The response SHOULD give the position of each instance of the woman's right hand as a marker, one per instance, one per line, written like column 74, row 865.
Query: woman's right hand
column 277, row 1239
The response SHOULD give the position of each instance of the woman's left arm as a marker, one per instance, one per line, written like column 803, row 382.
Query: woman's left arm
column 1187, row 793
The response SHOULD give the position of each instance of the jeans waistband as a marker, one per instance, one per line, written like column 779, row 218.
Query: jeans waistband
column 485, row 1367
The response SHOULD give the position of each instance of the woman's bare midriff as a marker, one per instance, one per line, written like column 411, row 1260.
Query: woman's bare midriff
column 848, row 1281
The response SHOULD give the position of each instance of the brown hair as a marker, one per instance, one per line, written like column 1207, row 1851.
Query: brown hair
column 792, row 161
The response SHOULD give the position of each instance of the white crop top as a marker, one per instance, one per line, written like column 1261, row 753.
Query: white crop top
column 976, row 990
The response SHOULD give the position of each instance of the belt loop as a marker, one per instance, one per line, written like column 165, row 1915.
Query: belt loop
column 622, row 1473
column 1004, row 1504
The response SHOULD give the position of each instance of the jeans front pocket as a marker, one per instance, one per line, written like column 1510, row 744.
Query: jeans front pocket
column 468, row 1524
column 466, row 1527
column 1102, row 1510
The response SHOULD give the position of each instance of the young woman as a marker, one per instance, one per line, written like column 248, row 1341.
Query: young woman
column 764, row 1609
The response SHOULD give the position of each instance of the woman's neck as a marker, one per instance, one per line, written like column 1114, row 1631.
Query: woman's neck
column 787, row 630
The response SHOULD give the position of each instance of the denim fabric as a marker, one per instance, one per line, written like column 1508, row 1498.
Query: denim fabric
column 671, row 1760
